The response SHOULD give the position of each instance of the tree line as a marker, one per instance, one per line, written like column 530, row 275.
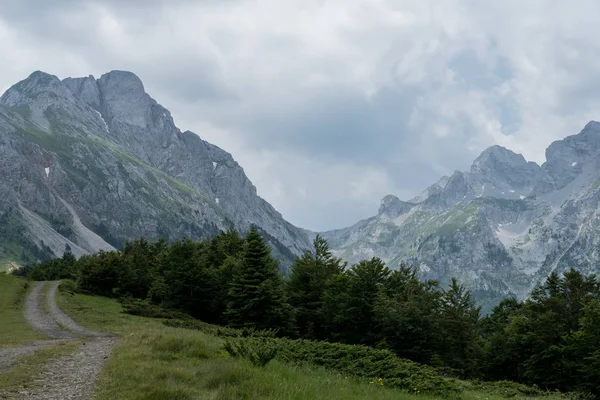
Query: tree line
column 552, row 339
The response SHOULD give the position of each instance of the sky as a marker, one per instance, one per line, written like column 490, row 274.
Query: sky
column 329, row 105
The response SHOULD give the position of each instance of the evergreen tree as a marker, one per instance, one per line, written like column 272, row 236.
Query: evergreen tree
column 134, row 275
column 366, row 280
column 257, row 295
column 310, row 277
column 583, row 346
column 503, row 333
column 553, row 312
column 99, row 273
column 190, row 282
column 459, row 318
column 407, row 315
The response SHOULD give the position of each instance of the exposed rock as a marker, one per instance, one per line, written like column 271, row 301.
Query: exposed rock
column 500, row 228
column 91, row 163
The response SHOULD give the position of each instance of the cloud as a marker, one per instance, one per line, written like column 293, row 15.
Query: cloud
column 329, row 105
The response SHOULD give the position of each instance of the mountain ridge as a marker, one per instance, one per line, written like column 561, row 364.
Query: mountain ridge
column 103, row 154
column 500, row 227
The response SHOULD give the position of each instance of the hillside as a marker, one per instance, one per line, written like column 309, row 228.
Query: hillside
column 92, row 163
column 151, row 359
column 501, row 228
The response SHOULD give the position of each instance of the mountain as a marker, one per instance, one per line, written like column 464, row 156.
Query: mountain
column 500, row 228
column 91, row 163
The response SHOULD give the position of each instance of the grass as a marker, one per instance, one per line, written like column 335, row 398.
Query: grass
column 14, row 330
column 153, row 361
column 24, row 373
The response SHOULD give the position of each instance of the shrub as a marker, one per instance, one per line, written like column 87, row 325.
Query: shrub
column 260, row 353
column 220, row 330
column 356, row 360
column 506, row 389
column 20, row 297
column 143, row 308
column 68, row 286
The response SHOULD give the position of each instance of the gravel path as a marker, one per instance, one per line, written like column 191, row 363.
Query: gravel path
column 73, row 376
column 63, row 319
column 37, row 316
column 9, row 356
column 70, row 376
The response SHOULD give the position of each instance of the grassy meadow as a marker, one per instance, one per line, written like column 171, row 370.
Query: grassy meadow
column 14, row 330
column 153, row 361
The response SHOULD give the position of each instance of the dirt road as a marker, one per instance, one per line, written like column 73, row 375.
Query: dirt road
column 71, row 376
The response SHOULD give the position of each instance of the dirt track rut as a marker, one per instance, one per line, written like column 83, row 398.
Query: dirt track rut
column 70, row 376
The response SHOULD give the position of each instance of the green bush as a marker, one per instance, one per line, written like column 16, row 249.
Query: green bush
column 356, row 360
column 20, row 297
column 143, row 308
column 506, row 389
column 360, row 361
column 579, row 396
column 68, row 286
column 220, row 330
column 260, row 353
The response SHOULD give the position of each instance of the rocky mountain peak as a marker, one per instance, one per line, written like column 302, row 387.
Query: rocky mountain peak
column 497, row 159
column 566, row 159
column 118, row 95
column 37, row 86
column 500, row 228
column 102, row 158
column 578, row 147
column 504, row 169
column 392, row 206
column 86, row 89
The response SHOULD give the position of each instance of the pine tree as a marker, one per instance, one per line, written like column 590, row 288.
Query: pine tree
column 257, row 295
column 407, row 315
column 367, row 280
column 311, row 275
column 459, row 321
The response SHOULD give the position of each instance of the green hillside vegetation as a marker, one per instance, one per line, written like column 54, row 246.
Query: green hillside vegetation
column 14, row 330
column 378, row 323
column 189, row 360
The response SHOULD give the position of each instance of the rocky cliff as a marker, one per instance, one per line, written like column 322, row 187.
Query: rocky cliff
column 91, row 163
column 501, row 227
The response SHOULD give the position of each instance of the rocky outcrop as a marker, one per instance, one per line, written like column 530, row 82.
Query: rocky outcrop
column 99, row 162
column 501, row 227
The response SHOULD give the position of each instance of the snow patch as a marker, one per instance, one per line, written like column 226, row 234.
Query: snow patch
column 47, row 172
column 164, row 114
column 512, row 191
column 522, row 197
column 573, row 164
column 217, row 200
column 214, row 165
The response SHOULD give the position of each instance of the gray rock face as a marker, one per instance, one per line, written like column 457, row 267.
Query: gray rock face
column 500, row 228
column 94, row 162
column 504, row 169
column 393, row 207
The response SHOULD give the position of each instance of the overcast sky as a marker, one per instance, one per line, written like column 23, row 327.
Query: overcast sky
column 331, row 105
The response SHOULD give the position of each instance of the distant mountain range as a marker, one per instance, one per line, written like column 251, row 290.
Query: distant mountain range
column 501, row 228
column 91, row 163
